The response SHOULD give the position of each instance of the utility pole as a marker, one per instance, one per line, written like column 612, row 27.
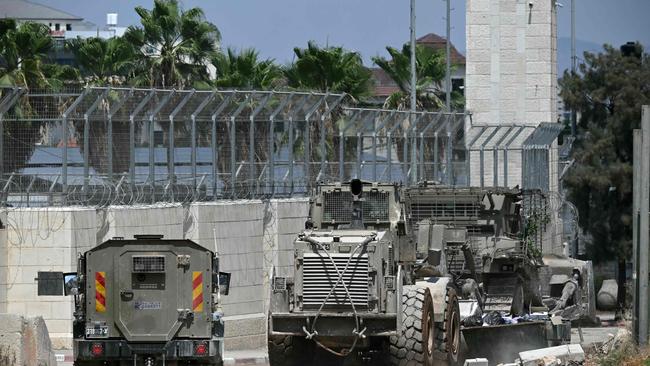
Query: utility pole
column 448, row 72
column 413, row 79
column 574, row 127
column 413, row 92
column 641, row 225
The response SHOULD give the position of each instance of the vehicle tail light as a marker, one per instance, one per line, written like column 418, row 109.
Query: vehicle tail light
column 97, row 349
column 201, row 349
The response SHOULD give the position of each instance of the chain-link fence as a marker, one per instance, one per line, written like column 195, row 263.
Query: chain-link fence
column 100, row 146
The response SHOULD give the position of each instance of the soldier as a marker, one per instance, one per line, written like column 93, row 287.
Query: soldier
column 570, row 292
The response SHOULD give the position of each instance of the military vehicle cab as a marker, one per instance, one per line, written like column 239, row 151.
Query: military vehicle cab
column 146, row 301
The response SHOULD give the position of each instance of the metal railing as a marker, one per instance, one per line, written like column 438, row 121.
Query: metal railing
column 103, row 145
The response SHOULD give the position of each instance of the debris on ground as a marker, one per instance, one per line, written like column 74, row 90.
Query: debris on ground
column 568, row 354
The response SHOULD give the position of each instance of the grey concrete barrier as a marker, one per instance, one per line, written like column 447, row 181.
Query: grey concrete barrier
column 25, row 342
column 607, row 295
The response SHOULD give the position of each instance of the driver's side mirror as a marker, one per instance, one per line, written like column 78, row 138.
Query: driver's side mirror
column 70, row 284
column 222, row 280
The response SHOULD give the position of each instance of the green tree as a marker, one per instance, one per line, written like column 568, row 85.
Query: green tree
column 175, row 45
column 104, row 61
column 607, row 93
column 329, row 69
column 244, row 70
column 24, row 53
column 429, row 72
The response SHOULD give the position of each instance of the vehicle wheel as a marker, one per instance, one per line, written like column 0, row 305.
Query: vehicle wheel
column 289, row 351
column 416, row 344
column 448, row 341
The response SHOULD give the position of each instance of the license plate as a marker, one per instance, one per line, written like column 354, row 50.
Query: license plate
column 97, row 332
column 148, row 305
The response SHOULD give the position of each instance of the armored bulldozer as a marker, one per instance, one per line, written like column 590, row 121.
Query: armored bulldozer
column 494, row 239
column 363, row 285
column 146, row 301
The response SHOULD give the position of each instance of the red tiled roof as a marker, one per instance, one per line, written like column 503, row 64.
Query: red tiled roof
column 436, row 42
column 384, row 85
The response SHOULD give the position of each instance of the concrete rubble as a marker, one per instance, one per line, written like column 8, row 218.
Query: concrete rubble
column 25, row 341
column 560, row 355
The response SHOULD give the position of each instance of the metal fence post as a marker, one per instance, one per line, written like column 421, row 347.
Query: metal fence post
column 251, row 140
column 132, row 116
column 6, row 104
column 213, row 136
column 171, row 170
column 152, row 156
column 86, row 143
column 277, row 111
column 233, row 141
column 64, row 133
column 292, row 115
column 307, row 139
column 644, row 229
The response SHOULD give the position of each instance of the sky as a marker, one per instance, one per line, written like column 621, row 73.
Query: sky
column 275, row 27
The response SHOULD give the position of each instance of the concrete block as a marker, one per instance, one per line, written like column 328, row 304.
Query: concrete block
column 564, row 353
column 476, row 362
column 607, row 295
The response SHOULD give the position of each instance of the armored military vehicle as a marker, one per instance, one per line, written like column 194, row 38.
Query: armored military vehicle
column 362, row 285
column 498, row 227
column 146, row 301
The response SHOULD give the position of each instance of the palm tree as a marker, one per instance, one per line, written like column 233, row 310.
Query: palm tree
column 175, row 45
column 429, row 70
column 329, row 69
column 244, row 70
column 104, row 61
column 430, row 73
column 24, row 51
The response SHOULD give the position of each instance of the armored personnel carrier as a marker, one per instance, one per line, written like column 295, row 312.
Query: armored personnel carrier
column 146, row 301
column 363, row 285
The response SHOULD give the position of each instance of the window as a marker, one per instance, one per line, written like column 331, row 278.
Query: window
column 57, row 26
column 457, row 85
column 68, row 27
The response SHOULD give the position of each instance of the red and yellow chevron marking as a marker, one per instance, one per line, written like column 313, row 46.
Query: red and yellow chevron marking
column 197, row 291
column 100, row 292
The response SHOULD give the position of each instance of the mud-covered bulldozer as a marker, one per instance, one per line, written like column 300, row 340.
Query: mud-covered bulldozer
column 146, row 301
column 492, row 240
column 363, row 285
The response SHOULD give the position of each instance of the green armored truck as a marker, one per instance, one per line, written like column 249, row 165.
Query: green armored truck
column 146, row 301
column 362, row 287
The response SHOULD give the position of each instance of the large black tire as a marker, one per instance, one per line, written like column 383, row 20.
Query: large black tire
column 448, row 339
column 416, row 344
column 290, row 351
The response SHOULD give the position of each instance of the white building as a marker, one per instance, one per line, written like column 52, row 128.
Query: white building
column 62, row 25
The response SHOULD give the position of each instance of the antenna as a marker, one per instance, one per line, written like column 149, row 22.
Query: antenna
column 216, row 253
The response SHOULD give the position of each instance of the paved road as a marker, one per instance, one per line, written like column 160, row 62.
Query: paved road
column 239, row 358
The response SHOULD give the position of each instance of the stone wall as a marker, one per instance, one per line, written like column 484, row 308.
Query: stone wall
column 251, row 236
column 511, row 61
column 511, row 77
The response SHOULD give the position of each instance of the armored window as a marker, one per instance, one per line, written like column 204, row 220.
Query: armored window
column 148, row 264
column 338, row 206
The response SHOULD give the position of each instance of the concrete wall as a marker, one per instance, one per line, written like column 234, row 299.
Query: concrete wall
column 511, row 61
column 252, row 237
